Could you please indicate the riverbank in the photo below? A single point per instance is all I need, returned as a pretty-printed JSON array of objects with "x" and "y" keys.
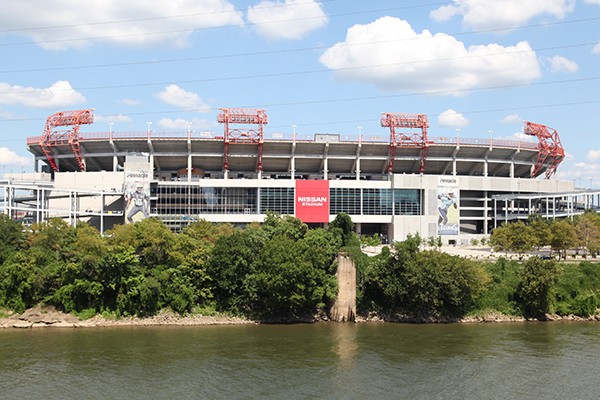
[{"x": 49, "y": 317}]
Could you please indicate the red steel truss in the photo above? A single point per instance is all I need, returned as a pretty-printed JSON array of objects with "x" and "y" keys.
[
  {"x": 242, "y": 116},
  {"x": 52, "y": 137},
  {"x": 550, "y": 149},
  {"x": 407, "y": 140}
]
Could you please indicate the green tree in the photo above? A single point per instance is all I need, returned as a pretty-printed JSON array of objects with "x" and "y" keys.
[
  {"x": 424, "y": 284},
  {"x": 287, "y": 281},
  {"x": 500, "y": 292},
  {"x": 501, "y": 239},
  {"x": 521, "y": 238},
  {"x": 344, "y": 226},
  {"x": 19, "y": 282},
  {"x": 277, "y": 224},
  {"x": 12, "y": 237},
  {"x": 231, "y": 262},
  {"x": 538, "y": 278},
  {"x": 540, "y": 230},
  {"x": 587, "y": 227},
  {"x": 563, "y": 237}
]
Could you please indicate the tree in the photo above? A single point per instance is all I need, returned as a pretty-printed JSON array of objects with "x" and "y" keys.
[
  {"x": 501, "y": 239},
  {"x": 424, "y": 284},
  {"x": 540, "y": 230},
  {"x": 563, "y": 237},
  {"x": 231, "y": 262},
  {"x": 344, "y": 225},
  {"x": 521, "y": 238},
  {"x": 538, "y": 278},
  {"x": 289, "y": 281},
  {"x": 12, "y": 236},
  {"x": 588, "y": 231},
  {"x": 277, "y": 224}
]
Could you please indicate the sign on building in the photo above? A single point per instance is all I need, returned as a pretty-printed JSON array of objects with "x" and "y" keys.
[
  {"x": 138, "y": 173},
  {"x": 312, "y": 200},
  {"x": 448, "y": 202}
]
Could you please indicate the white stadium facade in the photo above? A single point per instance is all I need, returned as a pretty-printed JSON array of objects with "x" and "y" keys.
[{"x": 402, "y": 182}]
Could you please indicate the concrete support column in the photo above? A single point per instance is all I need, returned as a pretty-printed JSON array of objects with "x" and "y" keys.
[
  {"x": 325, "y": 169},
  {"x": 293, "y": 167},
  {"x": 485, "y": 210},
  {"x": 344, "y": 308},
  {"x": 189, "y": 168},
  {"x": 358, "y": 169}
]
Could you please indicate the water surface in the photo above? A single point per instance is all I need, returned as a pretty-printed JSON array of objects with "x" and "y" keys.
[{"x": 555, "y": 360}]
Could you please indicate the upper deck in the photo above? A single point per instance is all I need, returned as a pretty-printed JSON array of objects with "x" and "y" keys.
[{"x": 172, "y": 151}]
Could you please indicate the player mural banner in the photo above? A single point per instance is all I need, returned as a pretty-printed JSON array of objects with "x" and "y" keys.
[
  {"x": 447, "y": 202},
  {"x": 137, "y": 188},
  {"x": 312, "y": 201}
]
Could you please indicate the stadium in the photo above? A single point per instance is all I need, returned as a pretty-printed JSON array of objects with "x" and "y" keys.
[{"x": 403, "y": 182}]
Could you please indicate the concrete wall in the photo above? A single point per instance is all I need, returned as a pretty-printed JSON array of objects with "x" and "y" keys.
[{"x": 344, "y": 308}]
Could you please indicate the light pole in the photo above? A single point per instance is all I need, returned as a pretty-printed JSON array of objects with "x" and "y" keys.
[
  {"x": 294, "y": 132},
  {"x": 359, "y": 131},
  {"x": 149, "y": 124},
  {"x": 491, "y": 132},
  {"x": 457, "y": 136}
]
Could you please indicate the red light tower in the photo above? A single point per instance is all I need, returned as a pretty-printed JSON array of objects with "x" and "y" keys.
[
  {"x": 51, "y": 137},
  {"x": 242, "y": 116},
  {"x": 550, "y": 149},
  {"x": 406, "y": 140}
]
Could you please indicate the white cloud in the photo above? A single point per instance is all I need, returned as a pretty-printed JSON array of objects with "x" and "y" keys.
[
  {"x": 593, "y": 155},
  {"x": 182, "y": 124},
  {"x": 592, "y": 2},
  {"x": 387, "y": 53},
  {"x": 596, "y": 49},
  {"x": 9, "y": 157},
  {"x": 583, "y": 172},
  {"x": 134, "y": 22},
  {"x": 444, "y": 13},
  {"x": 512, "y": 118},
  {"x": 452, "y": 119},
  {"x": 7, "y": 115},
  {"x": 492, "y": 14},
  {"x": 60, "y": 94},
  {"x": 520, "y": 136},
  {"x": 562, "y": 64},
  {"x": 130, "y": 102},
  {"x": 113, "y": 118},
  {"x": 178, "y": 97},
  {"x": 290, "y": 19}
]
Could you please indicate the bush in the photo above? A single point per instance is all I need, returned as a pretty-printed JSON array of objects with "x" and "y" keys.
[
  {"x": 500, "y": 292},
  {"x": 424, "y": 284},
  {"x": 538, "y": 279}
]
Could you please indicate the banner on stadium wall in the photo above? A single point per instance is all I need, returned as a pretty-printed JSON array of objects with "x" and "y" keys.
[
  {"x": 312, "y": 201},
  {"x": 447, "y": 206},
  {"x": 138, "y": 172}
]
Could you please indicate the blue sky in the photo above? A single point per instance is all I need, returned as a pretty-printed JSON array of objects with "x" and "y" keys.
[{"x": 481, "y": 66}]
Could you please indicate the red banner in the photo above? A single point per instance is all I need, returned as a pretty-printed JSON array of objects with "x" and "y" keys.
[{"x": 312, "y": 201}]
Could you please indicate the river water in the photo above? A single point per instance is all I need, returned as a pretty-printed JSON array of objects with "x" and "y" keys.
[{"x": 556, "y": 360}]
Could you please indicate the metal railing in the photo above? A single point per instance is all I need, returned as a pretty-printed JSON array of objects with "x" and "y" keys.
[{"x": 283, "y": 137}]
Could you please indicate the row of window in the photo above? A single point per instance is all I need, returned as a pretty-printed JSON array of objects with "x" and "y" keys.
[{"x": 190, "y": 200}]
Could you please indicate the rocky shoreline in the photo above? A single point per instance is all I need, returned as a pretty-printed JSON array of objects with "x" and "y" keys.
[
  {"x": 45, "y": 317},
  {"x": 49, "y": 317}
]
